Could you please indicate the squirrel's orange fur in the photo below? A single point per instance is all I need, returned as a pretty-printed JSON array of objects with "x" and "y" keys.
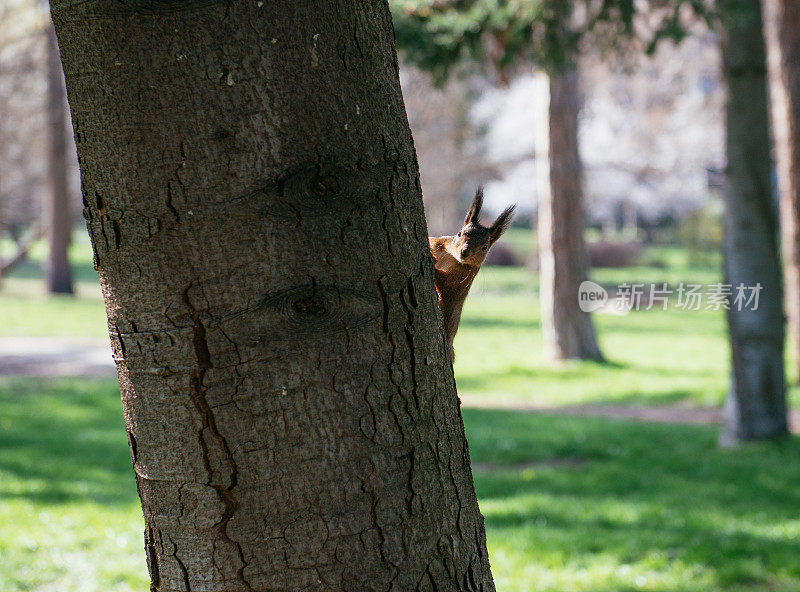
[{"x": 457, "y": 260}]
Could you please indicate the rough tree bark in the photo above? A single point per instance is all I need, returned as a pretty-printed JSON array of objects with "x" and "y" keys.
[
  {"x": 756, "y": 405},
  {"x": 252, "y": 194},
  {"x": 568, "y": 331},
  {"x": 782, "y": 32},
  {"x": 57, "y": 217}
]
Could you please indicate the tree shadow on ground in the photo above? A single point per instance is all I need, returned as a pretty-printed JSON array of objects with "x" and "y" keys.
[
  {"x": 63, "y": 441},
  {"x": 32, "y": 270},
  {"x": 487, "y": 322}
]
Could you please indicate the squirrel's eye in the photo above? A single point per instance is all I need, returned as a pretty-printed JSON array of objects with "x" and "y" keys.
[
  {"x": 485, "y": 247},
  {"x": 459, "y": 233}
]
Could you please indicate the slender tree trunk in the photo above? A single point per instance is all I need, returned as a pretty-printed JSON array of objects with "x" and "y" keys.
[
  {"x": 568, "y": 331},
  {"x": 756, "y": 406},
  {"x": 23, "y": 247},
  {"x": 252, "y": 194},
  {"x": 58, "y": 220},
  {"x": 782, "y": 28}
]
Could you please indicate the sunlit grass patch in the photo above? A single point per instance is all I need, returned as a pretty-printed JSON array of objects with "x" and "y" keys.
[
  {"x": 27, "y": 310},
  {"x": 654, "y": 357}
]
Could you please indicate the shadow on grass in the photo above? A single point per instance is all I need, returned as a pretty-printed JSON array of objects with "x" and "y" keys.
[
  {"x": 665, "y": 399},
  {"x": 654, "y": 497},
  {"x": 487, "y": 322},
  {"x": 654, "y": 399},
  {"x": 63, "y": 441}
]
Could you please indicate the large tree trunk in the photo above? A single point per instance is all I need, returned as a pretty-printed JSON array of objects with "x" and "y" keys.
[
  {"x": 782, "y": 28},
  {"x": 568, "y": 331},
  {"x": 57, "y": 217},
  {"x": 252, "y": 194},
  {"x": 756, "y": 406}
]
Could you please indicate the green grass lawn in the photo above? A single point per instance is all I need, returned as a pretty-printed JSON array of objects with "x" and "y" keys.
[
  {"x": 654, "y": 357},
  {"x": 581, "y": 504},
  {"x": 571, "y": 504},
  {"x": 70, "y": 519},
  {"x": 26, "y": 309}
]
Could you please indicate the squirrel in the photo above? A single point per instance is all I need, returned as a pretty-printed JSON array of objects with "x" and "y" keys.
[{"x": 457, "y": 260}]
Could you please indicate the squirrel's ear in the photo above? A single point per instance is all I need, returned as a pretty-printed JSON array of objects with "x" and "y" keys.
[
  {"x": 475, "y": 208},
  {"x": 502, "y": 223}
]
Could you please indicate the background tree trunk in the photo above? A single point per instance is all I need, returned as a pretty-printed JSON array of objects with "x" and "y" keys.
[
  {"x": 58, "y": 220},
  {"x": 568, "y": 331},
  {"x": 782, "y": 28},
  {"x": 22, "y": 248},
  {"x": 252, "y": 194},
  {"x": 756, "y": 406}
]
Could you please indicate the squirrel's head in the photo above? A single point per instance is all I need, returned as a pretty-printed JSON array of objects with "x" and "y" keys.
[{"x": 473, "y": 241}]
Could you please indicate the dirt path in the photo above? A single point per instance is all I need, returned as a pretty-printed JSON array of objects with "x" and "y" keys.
[
  {"x": 679, "y": 413},
  {"x": 52, "y": 357}
]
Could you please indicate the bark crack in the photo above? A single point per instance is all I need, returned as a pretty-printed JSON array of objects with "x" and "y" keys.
[{"x": 197, "y": 392}]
